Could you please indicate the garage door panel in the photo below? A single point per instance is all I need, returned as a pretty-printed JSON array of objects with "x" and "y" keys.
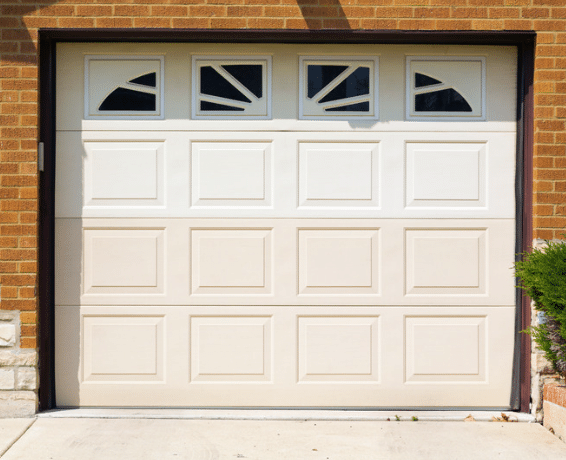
[
  {"x": 284, "y": 355},
  {"x": 291, "y": 261},
  {"x": 235, "y": 174}
]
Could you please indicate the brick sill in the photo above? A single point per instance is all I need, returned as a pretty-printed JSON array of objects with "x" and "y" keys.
[{"x": 556, "y": 394}]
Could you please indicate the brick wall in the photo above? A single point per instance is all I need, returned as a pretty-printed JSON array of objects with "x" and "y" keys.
[{"x": 19, "y": 23}]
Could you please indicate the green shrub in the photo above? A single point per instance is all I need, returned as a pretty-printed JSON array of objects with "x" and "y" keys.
[{"x": 542, "y": 274}]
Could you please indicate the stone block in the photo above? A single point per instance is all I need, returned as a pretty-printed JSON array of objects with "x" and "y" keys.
[
  {"x": 17, "y": 404},
  {"x": 18, "y": 358},
  {"x": 541, "y": 364},
  {"x": 7, "y": 379},
  {"x": 27, "y": 379},
  {"x": 7, "y": 316},
  {"x": 7, "y": 335}
]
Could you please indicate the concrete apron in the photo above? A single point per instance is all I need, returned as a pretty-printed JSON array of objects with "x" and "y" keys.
[{"x": 66, "y": 438}]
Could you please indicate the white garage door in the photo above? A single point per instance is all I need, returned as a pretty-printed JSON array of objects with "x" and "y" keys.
[{"x": 285, "y": 225}]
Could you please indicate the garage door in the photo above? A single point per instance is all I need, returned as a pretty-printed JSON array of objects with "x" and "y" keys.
[{"x": 285, "y": 225}]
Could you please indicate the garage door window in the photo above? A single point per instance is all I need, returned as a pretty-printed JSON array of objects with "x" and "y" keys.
[
  {"x": 446, "y": 88},
  {"x": 123, "y": 87},
  {"x": 338, "y": 88},
  {"x": 231, "y": 87}
]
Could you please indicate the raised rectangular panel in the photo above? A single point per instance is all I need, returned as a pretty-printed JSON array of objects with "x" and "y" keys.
[
  {"x": 231, "y": 174},
  {"x": 231, "y": 261},
  {"x": 445, "y": 174},
  {"x": 445, "y": 261},
  {"x": 440, "y": 349},
  {"x": 338, "y": 349},
  {"x": 230, "y": 349},
  {"x": 123, "y": 348},
  {"x": 337, "y": 174},
  {"x": 338, "y": 261},
  {"x": 123, "y": 261},
  {"x": 124, "y": 174}
]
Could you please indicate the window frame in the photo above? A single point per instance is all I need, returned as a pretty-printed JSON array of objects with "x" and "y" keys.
[
  {"x": 196, "y": 113},
  {"x": 344, "y": 60},
  {"x": 411, "y": 92},
  {"x": 158, "y": 114}
]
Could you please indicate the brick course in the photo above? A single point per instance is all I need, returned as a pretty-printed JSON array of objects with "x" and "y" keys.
[{"x": 21, "y": 19}]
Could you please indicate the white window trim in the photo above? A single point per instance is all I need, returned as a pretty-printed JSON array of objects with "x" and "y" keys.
[
  {"x": 160, "y": 90},
  {"x": 443, "y": 116},
  {"x": 346, "y": 60},
  {"x": 223, "y": 58}
]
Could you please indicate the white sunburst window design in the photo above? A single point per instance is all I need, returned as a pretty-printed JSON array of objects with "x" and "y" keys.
[
  {"x": 337, "y": 88},
  {"x": 124, "y": 87},
  {"x": 231, "y": 87},
  {"x": 446, "y": 88}
]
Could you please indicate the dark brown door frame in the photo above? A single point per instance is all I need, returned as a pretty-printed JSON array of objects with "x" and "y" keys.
[{"x": 48, "y": 39}]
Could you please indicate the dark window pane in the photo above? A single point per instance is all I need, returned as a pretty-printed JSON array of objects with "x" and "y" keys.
[
  {"x": 319, "y": 76},
  {"x": 446, "y": 100},
  {"x": 214, "y": 84},
  {"x": 357, "y": 84},
  {"x": 123, "y": 100},
  {"x": 249, "y": 75},
  {"x": 424, "y": 80},
  {"x": 359, "y": 107},
  {"x": 149, "y": 79},
  {"x": 211, "y": 106}
]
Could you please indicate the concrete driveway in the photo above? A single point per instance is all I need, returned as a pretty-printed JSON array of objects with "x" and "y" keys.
[{"x": 142, "y": 438}]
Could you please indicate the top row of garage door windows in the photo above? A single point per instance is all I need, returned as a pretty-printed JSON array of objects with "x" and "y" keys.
[{"x": 229, "y": 87}]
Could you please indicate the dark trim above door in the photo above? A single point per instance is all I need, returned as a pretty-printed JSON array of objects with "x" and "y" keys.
[{"x": 48, "y": 39}]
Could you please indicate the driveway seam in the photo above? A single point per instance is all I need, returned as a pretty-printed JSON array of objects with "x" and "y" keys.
[{"x": 17, "y": 438}]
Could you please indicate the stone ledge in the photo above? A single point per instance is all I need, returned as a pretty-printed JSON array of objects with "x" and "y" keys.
[{"x": 555, "y": 419}]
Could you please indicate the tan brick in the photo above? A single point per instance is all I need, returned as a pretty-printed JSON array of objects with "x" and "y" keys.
[
  {"x": 432, "y": 13},
  {"x": 132, "y": 10},
  {"x": 504, "y": 13},
  {"x": 535, "y": 12},
  {"x": 169, "y": 10},
  {"x": 228, "y": 23},
  {"x": 454, "y": 24},
  {"x": 94, "y": 10},
  {"x": 549, "y": 24},
  {"x": 152, "y": 22},
  {"x": 28, "y": 342},
  {"x": 28, "y": 330},
  {"x": 417, "y": 24},
  {"x": 28, "y": 317},
  {"x": 71, "y": 23},
  {"x": 468, "y": 13},
  {"x": 543, "y": 186},
  {"x": 17, "y": 280},
  {"x": 266, "y": 23},
  {"x": 208, "y": 11},
  {"x": 26, "y": 293},
  {"x": 549, "y": 125}
]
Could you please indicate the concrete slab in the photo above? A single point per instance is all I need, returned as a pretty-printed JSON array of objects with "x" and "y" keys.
[
  {"x": 11, "y": 429},
  {"x": 70, "y": 439}
]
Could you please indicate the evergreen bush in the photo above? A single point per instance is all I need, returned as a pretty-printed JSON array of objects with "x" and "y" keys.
[{"x": 542, "y": 274}]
